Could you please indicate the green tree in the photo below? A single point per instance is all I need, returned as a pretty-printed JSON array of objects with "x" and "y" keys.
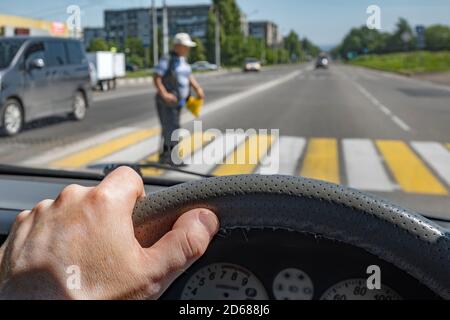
[
  {"x": 97, "y": 44},
  {"x": 231, "y": 37},
  {"x": 309, "y": 48},
  {"x": 293, "y": 46},
  {"x": 135, "y": 51},
  {"x": 437, "y": 38},
  {"x": 198, "y": 53},
  {"x": 402, "y": 39},
  {"x": 134, "y": 46}
]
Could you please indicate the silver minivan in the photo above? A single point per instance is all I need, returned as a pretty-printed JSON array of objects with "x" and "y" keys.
[{"x": 42, "y": 77}]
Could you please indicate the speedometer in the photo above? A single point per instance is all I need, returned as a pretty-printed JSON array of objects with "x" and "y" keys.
[
  {"x": 356, "y": 289},
  {"x": 223, "y": 281}
]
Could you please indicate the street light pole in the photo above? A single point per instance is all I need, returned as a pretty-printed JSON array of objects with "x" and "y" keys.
[
  {"x": 155, "y": 34},
  {"x": 165, "y": 29},
  {"x": 217, "y": 38}
]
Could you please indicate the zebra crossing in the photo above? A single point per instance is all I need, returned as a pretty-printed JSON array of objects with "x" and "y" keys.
[{"x": 416, "y": 167}]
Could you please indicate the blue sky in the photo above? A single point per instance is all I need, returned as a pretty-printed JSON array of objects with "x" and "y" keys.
[{"x": 323, "y": 21}]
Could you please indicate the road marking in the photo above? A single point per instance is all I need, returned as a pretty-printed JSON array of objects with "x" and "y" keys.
[
  {"x": 63, "y": 151},
  {"x": 448, "y": 146},
  {"x": 437, "y": 156},
  {"x": 96, "y": 153},
  {"x": 126, "y": 93},
  {"x": 321, "y": 160},
  {"x": 283, "y": 157},
  {"x": 364, "y": 166},
  {"x": 206, "y": 160},
  {"x": 133, "y": 153},
  {"x": 151, "y": 172},
  {"x": 245, "y": 159},
  {"x": 238, "y": 97},
  {"x": 399, "y": 122},
  {"x": 410, "y": 172},
  {"x": 186, "y": 148}
]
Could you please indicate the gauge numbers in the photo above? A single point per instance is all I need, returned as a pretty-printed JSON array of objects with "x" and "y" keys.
[
  {"x": 293, "y": 284},
  {"x": 356, "y": 289},
  {"x": 224, "y": 282}
]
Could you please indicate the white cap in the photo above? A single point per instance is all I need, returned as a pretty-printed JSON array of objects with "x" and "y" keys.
[{"x": 184, "y": 39}]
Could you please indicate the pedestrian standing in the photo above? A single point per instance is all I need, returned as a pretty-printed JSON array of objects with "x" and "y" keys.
[{"x": 173, "y": 80}]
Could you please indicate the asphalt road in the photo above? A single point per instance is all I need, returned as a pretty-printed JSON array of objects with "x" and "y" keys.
[{"x": 370, "y": 130}]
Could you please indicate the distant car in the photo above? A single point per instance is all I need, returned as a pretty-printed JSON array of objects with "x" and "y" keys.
[
  {"x": 252, "y": 64},
  {"x": 42, "y": 77},
  {"x": 322, "y": 62},
  {"x": 131, "y": 67},
  {"x": 204, "y": 66}
]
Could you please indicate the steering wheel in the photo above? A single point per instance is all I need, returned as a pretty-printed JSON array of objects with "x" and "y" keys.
[{"x": 403, "y": 238}]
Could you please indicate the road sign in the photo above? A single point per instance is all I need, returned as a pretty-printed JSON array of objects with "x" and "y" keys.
[{"x": 420, "y": 30}]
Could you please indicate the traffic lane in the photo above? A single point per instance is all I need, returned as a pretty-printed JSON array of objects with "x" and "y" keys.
[
  {"x": 231, "y": 81},
  {"x": 324, "y": 103},
  {"x": 318, "y": 103},
  {"x": 423, "y": 106},
  {"x": 126, "y": 106}
]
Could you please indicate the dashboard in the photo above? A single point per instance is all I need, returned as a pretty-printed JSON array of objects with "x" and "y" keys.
[
  {"x": 243, "y": 264},
  {"x": 281, "y": 265}
]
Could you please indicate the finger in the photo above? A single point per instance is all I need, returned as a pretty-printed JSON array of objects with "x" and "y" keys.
[
  {"x": 182, "y": 246},
  {"x": 123, "y": 184},
  {"x": 19, "y": 231}
]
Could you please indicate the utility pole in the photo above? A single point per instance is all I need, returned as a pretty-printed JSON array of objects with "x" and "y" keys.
[
  {"x": 155, "y": 34},
  {"x": 165, "y": 29},
  {"x": 217, "y": 38}
]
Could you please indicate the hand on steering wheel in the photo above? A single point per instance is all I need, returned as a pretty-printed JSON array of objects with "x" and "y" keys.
[{"x": 82, "y": 246}]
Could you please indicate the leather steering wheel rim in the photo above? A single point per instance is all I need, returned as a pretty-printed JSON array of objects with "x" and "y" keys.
[{"x": 399, "y": 236}]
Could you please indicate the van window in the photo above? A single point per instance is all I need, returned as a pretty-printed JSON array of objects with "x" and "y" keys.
[
  {"x": 56, "y": 53},
  {"x": 75, "y": 52},
  {"x": 35, "y": 51},
  {"x": 8, "y": 50}
]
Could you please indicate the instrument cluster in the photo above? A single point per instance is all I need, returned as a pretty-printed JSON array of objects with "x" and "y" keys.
[{"x": 282, "y": 265}]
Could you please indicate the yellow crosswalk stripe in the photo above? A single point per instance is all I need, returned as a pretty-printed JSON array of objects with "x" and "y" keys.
[
  {"x": 98, "y": 152},
  {"x": 411, "y": 173},
  {"x": 151, "y": 172},
  {"x": 321, "y": 160},
  {"x": 246, "y": 157},
  {"x": 186, "y": 148}
]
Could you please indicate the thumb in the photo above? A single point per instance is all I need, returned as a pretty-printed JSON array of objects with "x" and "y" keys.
[{"x": 181, "y": 247}]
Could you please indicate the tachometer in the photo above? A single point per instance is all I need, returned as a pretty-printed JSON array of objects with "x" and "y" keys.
[
  {"x": 293, "y": 284},
  {"x": 356, "y": 289},
  {"x": 223, "y": 281}
]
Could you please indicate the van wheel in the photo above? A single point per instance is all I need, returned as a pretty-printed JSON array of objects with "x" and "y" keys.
[
  {"x": 79, "y": 107},
  {"x": 12, "y": 118}
]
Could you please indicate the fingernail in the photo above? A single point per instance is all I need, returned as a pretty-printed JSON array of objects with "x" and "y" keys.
[{"x": 209, "y": 220}]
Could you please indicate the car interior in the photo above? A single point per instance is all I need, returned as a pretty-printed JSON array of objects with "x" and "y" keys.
[{"x": 281, "y": 238}]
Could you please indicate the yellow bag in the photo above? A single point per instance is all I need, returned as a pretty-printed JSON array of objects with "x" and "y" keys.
[{"x": 195, "y": 105}]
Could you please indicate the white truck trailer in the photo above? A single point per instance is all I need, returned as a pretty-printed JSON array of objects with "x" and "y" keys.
[{"x": 108, "y": 67}]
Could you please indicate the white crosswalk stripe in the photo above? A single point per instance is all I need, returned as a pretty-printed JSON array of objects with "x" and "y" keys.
[
  {"x": 437, "y": 156},
  {"x": 284, "y": 156},
  {"x": 368, "y": 165},
  {"x": 364, "y": 166},
  {"x": 205, "y": 160}
]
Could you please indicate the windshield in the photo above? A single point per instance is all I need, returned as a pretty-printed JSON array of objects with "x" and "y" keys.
[
  {"x": 8, "y": 50},
  {"x": 348, "y": 92}
]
